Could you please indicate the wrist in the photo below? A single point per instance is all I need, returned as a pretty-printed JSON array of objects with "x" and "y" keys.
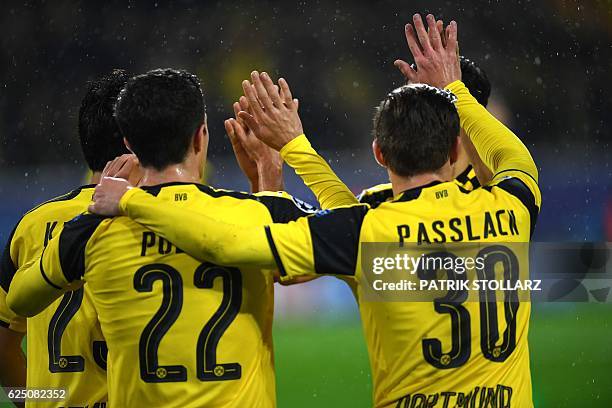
[
  {"x": 271, "y": 178},
  {"x": 288, "y": 139},
  {"x": 454, "y": 85},
  {"x": 272, "y": 165}
]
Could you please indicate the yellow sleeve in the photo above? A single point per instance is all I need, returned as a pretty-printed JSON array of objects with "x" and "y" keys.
[
  {"x": 500, "y": 149},
  {"x": 326, "y": 243},
  {"x": 316, "y": 173},
  {"x": 8, "y": 318},
  {"x": 200, "y": 236},
  {"x": 37, "y": 284}
]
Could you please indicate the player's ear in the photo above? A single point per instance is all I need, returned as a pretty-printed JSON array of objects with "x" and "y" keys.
[
  {"x": 200, "y": 138},
  {"x": 454, "y": 152},
  {"x": 127, "y": 145},
  {"x": 378, "y": 154}
]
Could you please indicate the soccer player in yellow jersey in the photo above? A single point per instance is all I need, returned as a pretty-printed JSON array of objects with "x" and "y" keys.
[
  {"x": 440, "y": 354},
  {"x": 65, "y": 347},
  {"x": 465, "y": 174},
  {"x": 180, "y": 333}
]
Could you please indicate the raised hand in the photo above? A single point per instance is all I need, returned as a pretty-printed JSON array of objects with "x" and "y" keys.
[
  {"x": 246, "y": 163},
  {"x": 273, "y": 115},
  {"x": 261, "y": 160},
  {"x": 435, "y": 52}
]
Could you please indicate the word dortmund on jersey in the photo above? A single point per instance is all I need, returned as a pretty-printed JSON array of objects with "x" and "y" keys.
[
  {"x": 179, "y": 332},
  {"x": 436, "y": 354},
  {"x": 380, "y": 193},
  {"x": 65, "y": 346}
]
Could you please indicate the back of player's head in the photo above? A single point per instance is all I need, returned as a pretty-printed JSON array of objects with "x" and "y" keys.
[
  {"x": 100, "y": 138},
  {"x": 415, "y": 127},
  {"x": 476, "y": 80},
  {"x": 159, "y": 113}
]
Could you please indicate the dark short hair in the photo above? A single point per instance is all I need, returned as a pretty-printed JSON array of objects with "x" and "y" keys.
[
  {"x": 476, "y": 80},
  {"x": 415, "y": 127},
  {"x": 100, "y": 138},
  {"x": 158, "y": 113}
]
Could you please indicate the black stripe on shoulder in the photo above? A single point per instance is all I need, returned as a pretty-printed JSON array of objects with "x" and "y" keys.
[
  {"x": 154, "y": 190},
  {"x": 4, "y": 324},
  {"x": 376, "y": 198},
  {"x": 335, "y": 239},
  {"x": 7, "y": 266},
  {"x": 519, "y": 189},
  {"x": 72, "y": 242},
  {"x": 282, "y": 209},
  {"x": 213, "y": 192},
  {"x": 277, "y": 258}
]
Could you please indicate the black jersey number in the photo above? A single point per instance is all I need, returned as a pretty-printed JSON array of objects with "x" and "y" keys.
[
  {"x": 494, "y": 255},
  {"x": 58, "y": 363},
  {"x": 460, "y": 318},
  {"x": 460, "y": 322},
  {"x": 208, "y": 369},
  {"x": 168, "y": 312}
]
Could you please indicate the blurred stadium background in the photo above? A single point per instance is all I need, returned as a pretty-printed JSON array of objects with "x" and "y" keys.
[{"x": 549, "y": 62}]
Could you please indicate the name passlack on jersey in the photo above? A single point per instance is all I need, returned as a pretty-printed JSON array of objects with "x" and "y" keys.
[{"x": 180, "y": 332}]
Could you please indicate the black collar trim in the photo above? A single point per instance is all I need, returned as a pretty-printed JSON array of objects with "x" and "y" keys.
[
  {"x": 414, "y": 193},
  {"x": 154, "y": 190},
  {"x": 463, "y": 177}
]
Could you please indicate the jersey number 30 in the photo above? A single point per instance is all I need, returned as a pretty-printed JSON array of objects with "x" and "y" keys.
[
  {"x": 451, "y": 304},
  {"x": 208, "y": 369}
]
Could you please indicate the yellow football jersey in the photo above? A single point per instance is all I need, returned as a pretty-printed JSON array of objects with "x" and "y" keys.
[
  {"x": 65, "y": 347},
  {"x": 380, "y": 193},
  {"x": 447, "y": 352},
  {"x": 180, "y": 333},
  {"x": 398, "y": 334}
]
